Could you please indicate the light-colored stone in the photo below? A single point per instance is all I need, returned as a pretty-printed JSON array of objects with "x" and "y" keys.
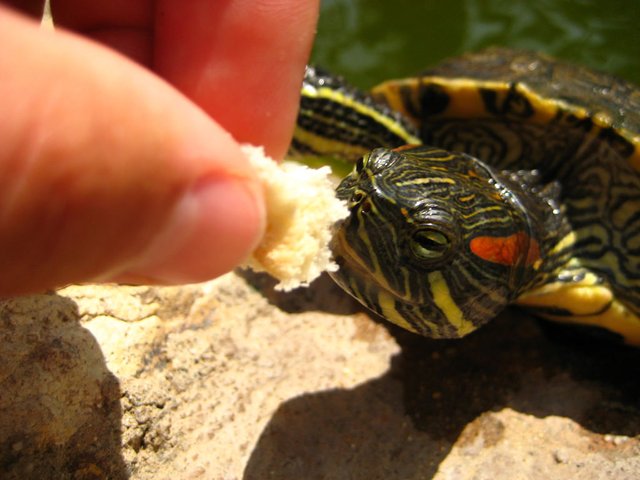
[{"x": 214, "y": 381}]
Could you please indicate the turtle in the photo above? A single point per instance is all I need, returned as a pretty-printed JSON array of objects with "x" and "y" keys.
[{"x": 496, "y": 178}]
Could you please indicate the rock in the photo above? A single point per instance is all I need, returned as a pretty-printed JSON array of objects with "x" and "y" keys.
[{"x": 231, "y": 380}]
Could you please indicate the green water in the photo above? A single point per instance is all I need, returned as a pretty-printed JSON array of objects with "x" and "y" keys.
[{"x": 370, "y": 40}]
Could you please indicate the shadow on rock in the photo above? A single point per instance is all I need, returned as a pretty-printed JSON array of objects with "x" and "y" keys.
[
  {"x": 404, "y": 424},
  {"x": 355, "y": 434},
  {"x": 323, "y": 295},
  {"x": 512, "y": 363},
  {"x": 60, "y": 413}
]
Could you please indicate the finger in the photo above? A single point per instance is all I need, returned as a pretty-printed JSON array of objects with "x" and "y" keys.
[
  {"x": 241, "y": 60},
  {"x": 106, "y": 170},
  {"x": 123, "y": 25}
]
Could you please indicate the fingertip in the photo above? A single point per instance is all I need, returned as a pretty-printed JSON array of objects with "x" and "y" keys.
[{"x": 213, "y": 227}]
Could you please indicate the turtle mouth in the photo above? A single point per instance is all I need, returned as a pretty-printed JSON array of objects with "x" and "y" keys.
[
  {"x": 357, "y": 278},
  {"x": 346, "y": 258}
]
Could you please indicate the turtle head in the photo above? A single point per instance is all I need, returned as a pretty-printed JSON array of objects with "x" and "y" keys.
[{"x": 436, "y": 242}]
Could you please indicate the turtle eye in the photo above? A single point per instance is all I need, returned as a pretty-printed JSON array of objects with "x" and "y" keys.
[{"x": 430, "y": 244}]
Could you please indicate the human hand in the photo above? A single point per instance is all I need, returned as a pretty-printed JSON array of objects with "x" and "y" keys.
[{"x": 109, "y": 173}]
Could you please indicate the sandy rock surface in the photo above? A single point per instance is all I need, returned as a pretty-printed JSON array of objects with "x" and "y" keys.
[{"x": 231, "y": 380}]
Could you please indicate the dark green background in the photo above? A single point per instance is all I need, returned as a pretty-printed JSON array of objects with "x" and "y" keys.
[{"x": 370, "y": 40}]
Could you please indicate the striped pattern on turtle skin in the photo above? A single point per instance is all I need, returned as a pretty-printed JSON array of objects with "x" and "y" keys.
[
  {"x": 429, "y": 226},
  {"x": 338, "y": 120},
  {"x": 515, "y": 111}
]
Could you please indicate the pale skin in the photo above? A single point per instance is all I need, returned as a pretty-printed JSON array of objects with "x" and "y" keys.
[{"x": 120, "y": 133}]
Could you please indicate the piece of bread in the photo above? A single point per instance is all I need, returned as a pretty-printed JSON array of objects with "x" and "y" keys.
[{"x": 302, "y": 210}]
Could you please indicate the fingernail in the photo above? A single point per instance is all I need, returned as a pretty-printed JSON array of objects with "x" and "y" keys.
[{"x": 213, "y": 227}]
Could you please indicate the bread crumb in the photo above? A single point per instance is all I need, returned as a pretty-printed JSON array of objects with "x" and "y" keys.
[{"x": 302, "y": 210}]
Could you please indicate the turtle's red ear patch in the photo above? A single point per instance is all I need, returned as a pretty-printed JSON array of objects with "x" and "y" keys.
[{"x": 516, "y": 249}]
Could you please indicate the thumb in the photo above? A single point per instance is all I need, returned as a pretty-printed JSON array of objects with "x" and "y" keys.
[{"x": 108, "y": 172}]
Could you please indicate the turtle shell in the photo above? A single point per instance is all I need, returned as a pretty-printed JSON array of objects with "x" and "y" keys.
[{"x": 519, "y": 110}]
